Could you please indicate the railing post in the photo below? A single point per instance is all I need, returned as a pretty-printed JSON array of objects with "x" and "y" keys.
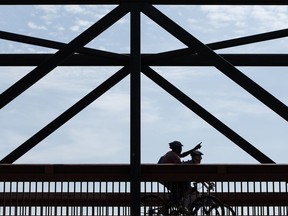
[{"x": 135, "y": 131}]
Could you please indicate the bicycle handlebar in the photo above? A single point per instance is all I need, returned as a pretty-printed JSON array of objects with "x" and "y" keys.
[{"x": 208, "y": 185}]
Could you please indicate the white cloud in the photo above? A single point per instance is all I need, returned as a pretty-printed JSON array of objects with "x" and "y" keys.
[
  {"x": 74, "y": 9},
  {"x": 236, "y": 21},
  {"x": 270, "y": 17},
  {"x": 48, "y": 8},
  {"x": 81, "y": 25},
  {"x": 33, "y": 25},
  {"x": 47, "y": 12}
]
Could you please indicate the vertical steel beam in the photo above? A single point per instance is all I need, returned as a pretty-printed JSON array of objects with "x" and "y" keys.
[{"x": 135, "y": 115}]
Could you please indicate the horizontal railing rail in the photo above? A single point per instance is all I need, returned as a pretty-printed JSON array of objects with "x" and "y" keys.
[
  {"x": 123, "y": 199},
  {"x": 149, "y": 172}
]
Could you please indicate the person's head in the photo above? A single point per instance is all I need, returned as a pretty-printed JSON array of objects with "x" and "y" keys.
[
  {"x": 196, "y": 156},
  {"x": 176, "y": 146}
]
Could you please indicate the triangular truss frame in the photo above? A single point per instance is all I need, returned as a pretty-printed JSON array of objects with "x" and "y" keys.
[{"x": 75, "y": 54}]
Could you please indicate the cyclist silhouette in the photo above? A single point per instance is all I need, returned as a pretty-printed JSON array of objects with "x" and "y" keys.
[{"x": 178, "y": 189}]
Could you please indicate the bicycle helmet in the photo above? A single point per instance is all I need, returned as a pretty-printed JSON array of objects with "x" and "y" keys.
[
  {"x": 175, "y": 145},
  {"x": 196, "y": 152}
]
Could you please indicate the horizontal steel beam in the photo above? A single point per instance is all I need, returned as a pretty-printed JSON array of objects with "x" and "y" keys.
[
  {"x": 234, "y": 59},
  {"x": 123, "y": 199},
  {"x": 159, "y": 2},
  {"x": 147, "y": 59}
]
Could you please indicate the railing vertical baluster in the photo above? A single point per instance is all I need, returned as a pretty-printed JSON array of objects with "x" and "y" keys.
[
  {"x": 100, "y": 196},
  {"x": 273, "y": 189},
  {"x": 4, "y": 198},
  {"x": 267, "y": 191},
  {"x": 286, "y": 192},
  {"x": 62, "y": 206},
  {"x": 10, "y": 200}
]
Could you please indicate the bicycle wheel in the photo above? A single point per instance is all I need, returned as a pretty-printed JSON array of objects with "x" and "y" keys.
[
  {"x": 152, "y": 205},
  {"x": 206, "y": 205},
  {"x": 229, "y": 210}
]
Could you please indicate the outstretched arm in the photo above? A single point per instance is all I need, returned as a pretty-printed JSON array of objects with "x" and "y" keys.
[{"x": 184, "y": 154}]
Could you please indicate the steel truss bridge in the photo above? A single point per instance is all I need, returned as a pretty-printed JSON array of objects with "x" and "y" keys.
[{"x": 117, "y": 189}]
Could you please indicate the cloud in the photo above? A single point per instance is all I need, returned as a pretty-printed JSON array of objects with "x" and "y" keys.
[
  {"x": 270, "y": 17},
  {"x": 47, "y": 13},
  {"x": 58, "y": 18},
  {"x": 74, "y": 9},
  {"x": 33, "y": 25},
  {"x": 80, "y": 25},
  {"x": 49, "y": 8},
  {"x": 256, "y": 18}
]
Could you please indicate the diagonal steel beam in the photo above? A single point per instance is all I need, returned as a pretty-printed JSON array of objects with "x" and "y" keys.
[
  {"x": 230, "y": 43},
  {"x": 44, "y": 68},
  {"x": 220, "y": 63},
  {"x": 205, "y": 115},
  {"x": 249, "y": 39},
  {"x": 66, "y": 116},
  {"x": 57, "y": 45}
]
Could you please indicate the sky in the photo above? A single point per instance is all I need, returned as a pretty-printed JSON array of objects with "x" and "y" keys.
[{"x": 100, "y": 133}]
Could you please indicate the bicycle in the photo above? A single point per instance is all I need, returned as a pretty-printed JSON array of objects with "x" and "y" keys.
[
  {"x": 225, "y": 209},
  {"x": 203, "y": 204}
]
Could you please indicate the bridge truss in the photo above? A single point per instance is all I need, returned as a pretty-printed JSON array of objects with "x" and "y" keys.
[{"x": 134, "y": 63}]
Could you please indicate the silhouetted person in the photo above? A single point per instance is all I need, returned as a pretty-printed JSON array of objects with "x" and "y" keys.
[{"x": 177, "y": 189}]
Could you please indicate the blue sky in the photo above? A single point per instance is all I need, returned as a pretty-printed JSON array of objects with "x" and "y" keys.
[{"x": 100, "y": 133}]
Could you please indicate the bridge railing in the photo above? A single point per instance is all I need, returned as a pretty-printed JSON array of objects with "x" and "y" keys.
[{"x": 105, "y": 189}]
